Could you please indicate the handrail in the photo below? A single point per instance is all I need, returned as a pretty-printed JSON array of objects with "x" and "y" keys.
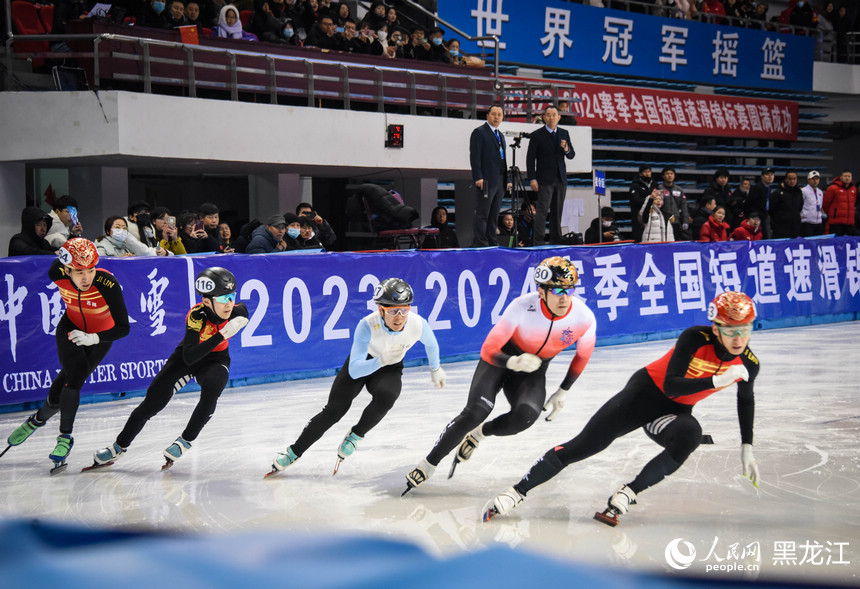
[
  {"x": 466, "y": 36},
  {"x": 191, "y": 78}
]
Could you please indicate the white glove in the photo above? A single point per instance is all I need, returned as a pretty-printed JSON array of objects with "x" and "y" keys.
[
  {"x": 82, "y": 338},
  {"x": 733, "y": 374},
  {"x": 438, "y": 377},
  {"x": 555, "y": 403},
  {"x": 392, "y": 355},
  {"x": 750, "y": 464},
  {"x": 523, "y": 363},
  {"x": 233, "y": 326}
]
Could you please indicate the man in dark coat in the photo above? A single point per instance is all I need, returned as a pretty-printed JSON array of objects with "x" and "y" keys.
[
  {"x": 547, "y": 172},
  {"x": 490, "y": 176},
  {"x": 786, "y": 202},
  {"x": 31, "y": 241},
  {"x": 759, "y": 200}
]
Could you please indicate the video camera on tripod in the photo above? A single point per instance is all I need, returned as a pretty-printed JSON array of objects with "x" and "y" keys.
[{"x": 517, "y": 137}]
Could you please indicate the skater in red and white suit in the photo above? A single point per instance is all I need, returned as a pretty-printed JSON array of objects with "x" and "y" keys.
[
  {"x": 660, "y": 399},
  {"x": 514, "y": 358}
]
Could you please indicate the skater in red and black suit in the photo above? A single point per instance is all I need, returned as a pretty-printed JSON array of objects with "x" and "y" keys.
[
  {"x": 660, "y": 398},
  {"x": 202, "y": 354},
  {"x": 514, "y": 358},
  {"x": 95, "y": 317}
]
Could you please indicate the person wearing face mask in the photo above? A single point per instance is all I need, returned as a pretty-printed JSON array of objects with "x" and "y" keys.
[
  {"x": 288, "y": 34},
  {"x": 802, "y": 15},
  {"x": 117, "y": 242},
  {"x": 455, "y": 57},
  {"x": 603, "y": 229},
  {"x": 269, "y": 238},
  {"x": 293, "y": 231},
  {"x": 437, "y": 51},
  {"x": 149, "y": 13},
  {"x": 139, "y": 221}
]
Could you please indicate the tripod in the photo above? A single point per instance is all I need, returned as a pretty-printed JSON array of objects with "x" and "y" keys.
[{"x": 518, "y": 188}]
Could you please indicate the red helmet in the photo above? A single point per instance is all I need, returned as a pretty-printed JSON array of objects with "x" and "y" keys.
[
  {"x": 79, "y": 253},
  {"x": 731, "y": 308}
]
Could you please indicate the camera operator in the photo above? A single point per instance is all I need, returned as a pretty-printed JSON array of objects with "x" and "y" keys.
[
  {"x": 603, "y": 229},
  {"x": 322, "y": 229}
]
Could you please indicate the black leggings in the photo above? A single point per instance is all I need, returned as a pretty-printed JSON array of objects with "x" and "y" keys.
[
  {"x": 211, "y": 373},
  {"x": 384, "y": 386},
  {"x": 639, "y": 404},
  {"x": 77, "y": 363},
  {"x": 526, "y": 393}
]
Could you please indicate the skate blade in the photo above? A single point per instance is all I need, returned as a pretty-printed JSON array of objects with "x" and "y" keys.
[
  {"x": 337, "y": 465},
  {"x": 606, "y": 518},
  {"x": 409, "y": 487},
  {"x": 59, "y": 468},
  {"x": 6, "y": 450},
  {"x": 167, "y": 464},
  {"x": 96, "y": 466},
  {"x": 454, "y": 466},
  {"x": 489, "y": 514},
  {"x": 274, "y": 471}
]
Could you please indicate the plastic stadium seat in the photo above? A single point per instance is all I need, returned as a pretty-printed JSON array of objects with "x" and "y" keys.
[
  {"x": 245, "y": 17},
  {"x": 46, "y": 15},
  {"x": 26, "y": 21}
]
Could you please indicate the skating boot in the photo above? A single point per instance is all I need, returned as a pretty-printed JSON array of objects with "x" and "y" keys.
[
  {"x": 347, "y": 447},
  {"x": 22, "y": 432},
  {"x": 61, "y": 452},
  {"x": 501, "y": 504},
  {"x": 467, "y": 448},
  {"x": 175, "y": 451},
  {"x": 418, "y": 475},
  {"x": 105, "y": 457},
  {"x": 282, "y": 461},
  {"x": 619, "y": 504}
]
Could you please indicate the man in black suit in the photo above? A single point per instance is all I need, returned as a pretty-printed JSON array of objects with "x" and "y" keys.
[
  {"x": 548, "y": 146},
  {"x": 490, "y": 175}
]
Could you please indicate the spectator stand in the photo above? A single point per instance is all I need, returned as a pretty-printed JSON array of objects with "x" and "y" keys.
[{"x": 620, "y": 152}]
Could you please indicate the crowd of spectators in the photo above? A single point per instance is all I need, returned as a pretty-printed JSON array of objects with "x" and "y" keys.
[
  {"x": 760, "y": 209},
  {"x": 309, "y": 23},
  {"x": 148, "y": 231}
]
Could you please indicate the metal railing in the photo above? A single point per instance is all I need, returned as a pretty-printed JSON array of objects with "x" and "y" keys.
[
  {"x": 362, "y": 82},
  {"x": 466, "y": 36}
]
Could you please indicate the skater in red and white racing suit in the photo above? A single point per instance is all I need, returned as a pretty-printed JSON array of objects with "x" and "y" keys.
[
  {"x": 660, "y": 399},
  {"x": 514, "y": 358}
]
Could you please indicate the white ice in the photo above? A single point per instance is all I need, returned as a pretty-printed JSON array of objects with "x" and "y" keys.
[{"x": 806, "y": 442}]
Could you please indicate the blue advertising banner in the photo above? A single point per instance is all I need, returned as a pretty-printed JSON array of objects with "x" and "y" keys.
[
  {"x": 556, "y": 34},
  {"x": 304, "y": 307}
]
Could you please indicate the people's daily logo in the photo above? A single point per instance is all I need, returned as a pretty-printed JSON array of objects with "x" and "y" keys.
[{"x": 680, "y": 554}]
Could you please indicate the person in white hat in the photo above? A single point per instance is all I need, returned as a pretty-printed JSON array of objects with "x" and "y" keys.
[{"x": 811, "y": 216}]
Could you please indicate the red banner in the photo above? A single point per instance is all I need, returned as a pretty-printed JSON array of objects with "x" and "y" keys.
[{"x": 664, "y": 111}]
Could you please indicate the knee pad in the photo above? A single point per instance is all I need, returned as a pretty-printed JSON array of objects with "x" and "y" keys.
[
  {"x": 683, "y": 437},
  {"x": 524, "y": 416}
]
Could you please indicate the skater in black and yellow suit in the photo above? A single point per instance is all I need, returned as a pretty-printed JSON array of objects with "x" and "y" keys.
[
  {"x": 95, "y": 317},
  {"x": 203, "y": 355},
  {"x": 660, "y": 399}
]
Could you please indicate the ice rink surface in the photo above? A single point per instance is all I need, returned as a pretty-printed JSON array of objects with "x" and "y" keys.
[{"x": 803, "y": 523}]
